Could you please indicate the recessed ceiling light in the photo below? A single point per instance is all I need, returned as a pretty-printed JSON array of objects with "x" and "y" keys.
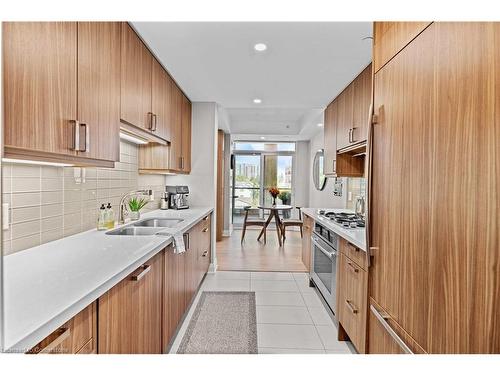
[
  {"x": 320, "y": 124},
  {"x": 260, "y": 47},
  {"x": 257, "y": 101},
  {"x": 262, "y": 137}
]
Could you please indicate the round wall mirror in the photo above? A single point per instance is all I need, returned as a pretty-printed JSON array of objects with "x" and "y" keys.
[{"x": 319, "y": 177}]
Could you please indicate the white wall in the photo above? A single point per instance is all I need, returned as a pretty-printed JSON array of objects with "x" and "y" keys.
[
  {"x": 202, "y": 180},
  {"x": 302, "y": 176},
  {"x": 324, "y": 198}
]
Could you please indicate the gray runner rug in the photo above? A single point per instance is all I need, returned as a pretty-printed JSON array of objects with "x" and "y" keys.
[{"x": 222, "y": 323}]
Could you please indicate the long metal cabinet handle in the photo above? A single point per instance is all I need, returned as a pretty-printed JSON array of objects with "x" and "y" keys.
[
  {"x": 369, "y": 168},
  {"x": 322, "y": 249},
  {"x": 76, "y": 135},
  {"x": 87, "y": 138},
  {"x": 350, "y": 131},
  {"x": 383, "y": 321},
  {"x": 145, "y": 269},
  {"x": 352, "y": 135},
  {"x": 150, "y": 120},
  {"x": 155, "y": 121},
  {"x": 349, "y": 304},
  {"x": 205, "y": 230}
]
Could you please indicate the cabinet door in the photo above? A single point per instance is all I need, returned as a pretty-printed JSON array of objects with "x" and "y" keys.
[
  {"x": 190, "y": 265},
  {"x": 176, "y": 129},
  {"x": 362, "y": 89},
  {"x": 173, "y": 294},
  {"x": 391, "y": 37},
  {"x": 99, "y": 88},
  {"x": 40, "y": 85},
  {"x": 204, "y": 246},
  {"x": 130, "y": 313},
  {"x": 330, "y": 138},
  {"x": 186, "y": 135},
  {"x": 306, "y": 242},
  {"x": 161, "y": 92},
  {"x": 136, "y": 65},
  {"x": 345, "y": 117}
]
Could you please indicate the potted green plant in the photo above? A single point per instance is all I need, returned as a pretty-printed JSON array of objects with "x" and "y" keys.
[
  {"x": 135, "y": 204},
  {"x": 285, "y": 197}
]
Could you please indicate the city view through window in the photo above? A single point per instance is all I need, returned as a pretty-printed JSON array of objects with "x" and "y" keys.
[{"x": 258, "y": 167}]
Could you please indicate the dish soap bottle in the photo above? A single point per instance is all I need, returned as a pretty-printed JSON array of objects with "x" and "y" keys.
[
  {"x": 110, "y": 217},
  {"x": 101, "y": 219}
]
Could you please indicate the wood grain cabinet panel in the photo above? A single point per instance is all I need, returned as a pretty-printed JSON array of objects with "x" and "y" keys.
[
  {"x": 434, "y": 274},
  {"x": 161, "y": 92},
  {"x": 344, "y": 124},
  {"x": 40, "y": 85},
  {"x": 174, "y": 298},
  {"x": 176, "y": 129},
  {"x": 190, "y": 265},
  {"x": 130, "y": 313},
  {"x": 136, "y": 65},
  {"x": 362, "y": 92},
  {"x": 330, "y": 138},
  {"x": 186, "y": 135},
  {"x": 76, "y": 336},
  {"x": 99, "y": 87},
  {"x": 391, "y": 37},
  {"x": 352, "y": 300},
  {"x": 306, "y": 241},
  {"x": 204, "y": 247}
]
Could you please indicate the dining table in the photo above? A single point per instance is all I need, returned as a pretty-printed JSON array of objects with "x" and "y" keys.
[{"x": 274, "y": 213}]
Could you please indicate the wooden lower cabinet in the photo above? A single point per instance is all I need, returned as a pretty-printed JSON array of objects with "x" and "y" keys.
[
  {"x": 306, "y": 242},
  {"x": 130, "y": 313},
  {"x": 174, "y": 296},
  {"x": 76, "y": 336},
  {"x": 352, "y": 299}
]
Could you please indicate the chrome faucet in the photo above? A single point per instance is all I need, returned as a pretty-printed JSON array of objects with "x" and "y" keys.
[{"x": 123, "y": 207}]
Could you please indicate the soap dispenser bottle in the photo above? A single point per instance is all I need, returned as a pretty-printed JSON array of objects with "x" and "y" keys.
[
  {"x": 101, "y": 219},
  {"x": 110, "y": 217}
]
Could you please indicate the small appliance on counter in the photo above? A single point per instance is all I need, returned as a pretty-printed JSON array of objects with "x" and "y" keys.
[
  {"x": 177, "y": 197},
  {"x": 164, "y": 201}
]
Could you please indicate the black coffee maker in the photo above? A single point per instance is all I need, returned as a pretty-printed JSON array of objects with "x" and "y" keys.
[{"x": 177, "y": 197}]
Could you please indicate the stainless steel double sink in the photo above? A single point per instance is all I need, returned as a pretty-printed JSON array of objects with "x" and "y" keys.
[{"x": 146, "y": 227}]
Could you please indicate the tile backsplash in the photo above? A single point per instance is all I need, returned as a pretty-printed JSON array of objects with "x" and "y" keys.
[
  {"x": 47, "y": 203},
  {"x": 355, "y": 187}
]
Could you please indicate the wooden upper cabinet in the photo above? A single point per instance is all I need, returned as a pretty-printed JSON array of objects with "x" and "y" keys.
[
  {"x": 136, "y": 66},
  {"x": 345, "y": 117},
  {"x": 99, "y": 88},
  {"x": 330, "y": 139},
  {"x": 176, "y": 129},
  {"x": 40, "y": 86},
  {"x": 362, "y": 90},
  {"x": 391, "y": 37},
  {"x": 130, "y": 313},
  {"x": 186, "y": 135},
  {"x": 161, "y": 92}
]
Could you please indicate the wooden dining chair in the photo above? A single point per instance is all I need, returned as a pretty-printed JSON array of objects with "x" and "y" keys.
[
  {"x": 291, "y": 223},
  {"x": 248, "y": 222}
]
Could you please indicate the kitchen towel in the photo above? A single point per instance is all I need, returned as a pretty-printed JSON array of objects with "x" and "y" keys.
[{"x": 179, "y": 246}]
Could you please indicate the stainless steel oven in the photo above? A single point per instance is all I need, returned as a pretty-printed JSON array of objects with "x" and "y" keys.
[{"x": 324, "y": 262}]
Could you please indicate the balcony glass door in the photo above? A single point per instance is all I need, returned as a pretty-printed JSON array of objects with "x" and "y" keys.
[{"x": 246, "y": 186}]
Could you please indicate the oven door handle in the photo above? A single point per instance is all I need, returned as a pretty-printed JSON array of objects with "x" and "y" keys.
[{"x": 323, "y": 250}]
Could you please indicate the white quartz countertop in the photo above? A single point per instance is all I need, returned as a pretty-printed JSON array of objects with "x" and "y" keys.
[
  {"x": 355, "y": 236},
  {"x": 46, "y": 285}
]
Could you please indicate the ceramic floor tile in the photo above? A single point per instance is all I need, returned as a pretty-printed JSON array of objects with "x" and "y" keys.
[
  {"x": 229, "y": 275},
  {"x": 226, "y": 285},
  {"x": 320, "y": 316},
  {"x": 328, "y": 335},
  {"x": 288, "y": 336},
  {"x": 279, "y": 299},
  {"x": 283, "y": 315},
  {"x": 272, "y": 276},
  {"x": 312, "y": 300},
  {"x": 300, "y": 276},
  {"x": 290, "y": 351},
  {"x": 274, "y": 286},
  {"x": 304, "y": 287}
]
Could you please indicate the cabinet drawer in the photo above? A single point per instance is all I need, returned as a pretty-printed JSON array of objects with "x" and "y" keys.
[
  {"x": 352, "y": 301},
  {"x": 88, "y": 348},
  {"x": 353, "y": 252},
  {"x": 72, "y": 336}
]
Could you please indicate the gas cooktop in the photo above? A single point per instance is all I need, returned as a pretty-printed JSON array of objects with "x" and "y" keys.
[{"x": 344, "y": 219}]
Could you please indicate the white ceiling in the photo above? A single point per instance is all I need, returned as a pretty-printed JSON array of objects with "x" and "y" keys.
[{"x": 305, "y": 66}]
